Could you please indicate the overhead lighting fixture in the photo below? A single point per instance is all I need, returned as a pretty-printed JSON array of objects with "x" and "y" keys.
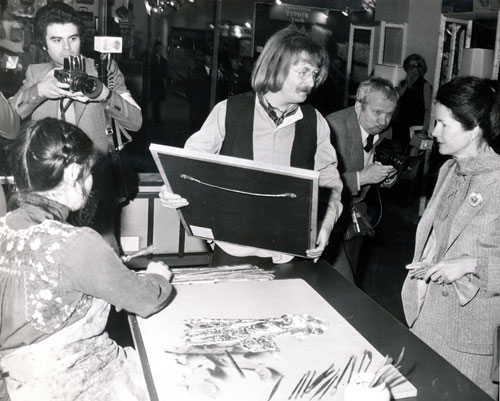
[
  {"x": 248, "y": 24},
  {"x": 346, "y": 12},
  {"x": 162, "y": 8},
  {"x": 278, "y": 2}
]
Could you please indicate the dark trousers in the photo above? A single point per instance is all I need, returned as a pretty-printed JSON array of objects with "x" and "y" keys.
[{"x": 344, "y": 255}]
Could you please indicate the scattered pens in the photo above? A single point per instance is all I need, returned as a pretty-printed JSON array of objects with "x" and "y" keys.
[
  {"x": 235, "y": 364},
  {"x": 275, "y": 388}
]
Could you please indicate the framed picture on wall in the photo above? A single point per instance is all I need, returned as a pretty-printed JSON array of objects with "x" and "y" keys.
[{"x": 242, "y": 201}]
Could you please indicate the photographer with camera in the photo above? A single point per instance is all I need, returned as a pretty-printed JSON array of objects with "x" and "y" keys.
[
  {"x": 355, "y": 133},
  {"x": 67, "y": 88}
]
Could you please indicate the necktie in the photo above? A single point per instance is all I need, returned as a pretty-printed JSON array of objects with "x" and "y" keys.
[
  {"x": 276, "y": 114},
  {"x": 369, "y": 143}
]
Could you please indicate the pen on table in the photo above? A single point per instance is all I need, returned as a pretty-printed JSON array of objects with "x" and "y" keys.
[
  {"x": 235, "y": 364},
  {"x": 355, "y": 221},
  {"x": 142, "y": 252},
  {"x": 275, "y": 388}
]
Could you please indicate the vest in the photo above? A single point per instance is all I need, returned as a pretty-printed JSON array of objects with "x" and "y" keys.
[{"x": 238, "y": 141}]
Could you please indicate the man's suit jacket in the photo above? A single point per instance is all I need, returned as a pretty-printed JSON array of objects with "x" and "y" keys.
[
  {"x": 91, "y": 116},
  {"x": 347, "y": 141}
]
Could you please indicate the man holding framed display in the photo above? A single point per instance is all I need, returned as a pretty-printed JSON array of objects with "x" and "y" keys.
[{"x": 271, "y": 125}]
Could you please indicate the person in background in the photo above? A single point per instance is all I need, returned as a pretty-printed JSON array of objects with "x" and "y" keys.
[
  {"x": 271, "y": 125},
  {"x": 58, "y": 281},
  {"x": 236, "y": 78},
  {"x": 356, "y": 132},
  {"x": 451, "y": 294},
  {"x": 158, "y": 79},
  {"x": 415, "y": 101},
  {"x": 58, "y": 29},
  {"x": 198, "y": 88},
  {"x": 414, "y": 109},
  {"x": 9, "y": 129}
]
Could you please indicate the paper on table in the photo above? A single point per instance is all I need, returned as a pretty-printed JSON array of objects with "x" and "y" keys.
[{"x": 200, "y": 377}]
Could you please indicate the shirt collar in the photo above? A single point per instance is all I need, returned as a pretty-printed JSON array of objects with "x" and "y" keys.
[
  {"x": 273, "y": 112},
  {"x": 364, "y": 135}
]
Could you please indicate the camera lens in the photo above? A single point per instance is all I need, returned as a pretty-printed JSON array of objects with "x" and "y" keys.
[{"x": 91, "y": 87}]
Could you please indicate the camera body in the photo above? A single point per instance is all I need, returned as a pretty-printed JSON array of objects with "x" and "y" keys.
[
  {"x": 386, "y": 154},
  {"x": 73, "y": 74}
]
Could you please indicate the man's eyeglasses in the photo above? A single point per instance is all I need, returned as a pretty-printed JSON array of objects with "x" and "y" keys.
[{"x": 306, "y": 73}]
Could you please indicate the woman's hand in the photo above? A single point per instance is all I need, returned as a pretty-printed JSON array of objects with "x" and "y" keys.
[
  {"x": 159, "y": 268},
  {"x": 448, "y": 271},
  {"x": 171, "y": 200}
]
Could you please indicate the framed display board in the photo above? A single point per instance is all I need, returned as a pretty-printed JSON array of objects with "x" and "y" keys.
[{"x": 242, "y": 201}]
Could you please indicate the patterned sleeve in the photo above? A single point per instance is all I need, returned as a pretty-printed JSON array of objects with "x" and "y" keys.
[{"x": 93, "y": 268}]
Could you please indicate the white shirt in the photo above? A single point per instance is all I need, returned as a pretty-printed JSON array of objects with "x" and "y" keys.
[
  {"x": 368, "y": 156},
  {"x": 272, "y": 144}
]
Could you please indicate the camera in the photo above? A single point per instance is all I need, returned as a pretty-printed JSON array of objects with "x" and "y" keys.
[
  {"x": 73, "y": 74},
  {"x": 386, "y": 154}
]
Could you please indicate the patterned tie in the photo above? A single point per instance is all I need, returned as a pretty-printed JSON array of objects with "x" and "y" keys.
[{"x": 369, "y": 143}]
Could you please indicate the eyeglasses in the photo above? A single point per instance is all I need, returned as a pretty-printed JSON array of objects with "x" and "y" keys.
[
  {"x": 414, "y": 65},
  {"x": 306, "y": 73}
]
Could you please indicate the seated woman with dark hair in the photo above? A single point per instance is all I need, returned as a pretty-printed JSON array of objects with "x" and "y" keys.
[{"x": 58, "y": 281}]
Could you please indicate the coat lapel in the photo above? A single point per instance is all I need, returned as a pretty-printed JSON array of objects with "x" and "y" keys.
[
  {"x": 356, "y": 143},
  {"x": 470, "y": 208},
  {"x": 425, "y": 224}
]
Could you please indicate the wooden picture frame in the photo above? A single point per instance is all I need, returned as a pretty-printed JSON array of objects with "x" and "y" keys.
[{"x": 242, "y": 201}]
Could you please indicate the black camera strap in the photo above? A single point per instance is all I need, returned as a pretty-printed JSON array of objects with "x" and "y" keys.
[{"x": 63, "y": 108}]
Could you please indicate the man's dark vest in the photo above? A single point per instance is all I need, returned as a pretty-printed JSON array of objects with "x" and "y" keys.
[{"x": 238, "y": 141}]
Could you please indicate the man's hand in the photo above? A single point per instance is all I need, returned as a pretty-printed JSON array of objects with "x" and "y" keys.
[
  {"x": 321, "y": 242},
  {"x": 50, "y": 88},
  {"x": 171, "y": 200},
  {"x": 390, "y": 180},
  {"x": 374, "y": 173}
]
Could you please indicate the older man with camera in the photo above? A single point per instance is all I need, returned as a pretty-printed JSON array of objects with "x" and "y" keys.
[
  {"x": 64, "y": 88},
  {"x": 356, "y": 131}
]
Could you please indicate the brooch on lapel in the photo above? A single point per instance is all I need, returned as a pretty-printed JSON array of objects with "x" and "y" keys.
[{"x": 475, "y": 199}]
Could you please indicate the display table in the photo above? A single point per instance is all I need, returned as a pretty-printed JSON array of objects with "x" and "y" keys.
[{"x": 354, "y": 323}]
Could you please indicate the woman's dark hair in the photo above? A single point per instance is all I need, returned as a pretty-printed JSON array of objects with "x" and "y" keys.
[
  {"x": 473, "y": 102},
  {"x": 418, "y": 60},
  {"x": 43, "y": 149},
  {"x": 56, "y": 12}
]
